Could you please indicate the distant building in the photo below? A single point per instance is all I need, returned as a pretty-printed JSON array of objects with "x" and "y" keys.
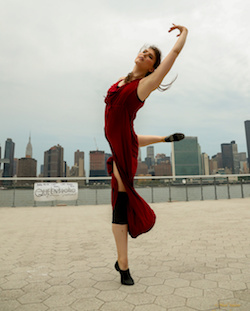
[
  {"x": 8, "y": 169},
  {"x": 74, "y": 171},
  {"x": 142, "y": 169},
  {"x": 54, "y": 166},
  {"x": 79, "y": 162},
  {"x": 97, "y": 163},
  {"x": 41, "y": 169},
  {"x": 230, "y": 158},
  {"x": 150, "y": 155},
  {"x": 162, "y": 165},
  {"x": 247, "y": 129},
  {"x": 163, "y": 169},
  {"x": 243, "y": 163},
  {"x": 148, "y": 161},
  {"x": 27, "y": 167},
  {"x": 28, "y": 153},
  {"x": 215, "y": 163},
  {"x": 186, "y": 157},
  {"x": 161, "y": 158},
  {"x": 205, "y": 164}
]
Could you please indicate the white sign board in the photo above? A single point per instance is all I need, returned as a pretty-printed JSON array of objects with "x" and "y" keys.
[{"x": 65, "y": 191}]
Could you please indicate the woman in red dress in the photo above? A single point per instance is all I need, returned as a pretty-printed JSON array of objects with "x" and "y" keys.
[{"x": 131, "y": 214}]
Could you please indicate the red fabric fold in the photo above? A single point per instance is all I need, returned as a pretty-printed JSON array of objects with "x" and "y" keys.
[{"x": 122, "y": 104}]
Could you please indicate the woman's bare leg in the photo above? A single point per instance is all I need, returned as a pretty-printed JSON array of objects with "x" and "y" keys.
[
  {"x": 121, "y": 187},
  {"x": 120, "y": 231},
  {"x": 145, "y": 140},
  {"x": 121, "y": 239}
]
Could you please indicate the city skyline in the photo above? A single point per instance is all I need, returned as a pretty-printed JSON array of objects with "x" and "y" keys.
[
  {"x": 150, "y": 152},
  {"x": 56, "y": 67}
]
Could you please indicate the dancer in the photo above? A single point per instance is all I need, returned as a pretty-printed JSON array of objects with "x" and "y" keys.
[{"x": 131, "y": 214}]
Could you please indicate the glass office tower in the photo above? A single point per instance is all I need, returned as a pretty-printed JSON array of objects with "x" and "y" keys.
[
  {"x": 186, "y": 157},
  {"x": 8, "y": 169}
]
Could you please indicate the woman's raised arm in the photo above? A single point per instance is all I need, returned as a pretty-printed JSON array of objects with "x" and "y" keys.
[{"x": 152, "y": 82}]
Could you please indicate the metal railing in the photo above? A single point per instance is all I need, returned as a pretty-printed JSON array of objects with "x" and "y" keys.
[{"x": 96, "y": 190}]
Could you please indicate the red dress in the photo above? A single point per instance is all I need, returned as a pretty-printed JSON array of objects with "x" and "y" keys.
[{"x": 122, "y": 104}]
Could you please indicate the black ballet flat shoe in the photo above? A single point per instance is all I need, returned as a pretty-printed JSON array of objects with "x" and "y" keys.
[
  {"x": 126, "y": 278},
  {"x": 174, "y": 137}
]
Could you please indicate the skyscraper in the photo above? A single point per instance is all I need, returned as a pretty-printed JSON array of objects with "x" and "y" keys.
[
  {"x": 97, "y": 163},
  {"x": 8, "y": 169},
  {"x": 151, "y": 154},
  {"x": 28, "y": 153},
  {"x": 205, "y": 164},
  {"x": 79, "y": 162},
  {"x": 54, "y": 166},
  {"x": 27, "y": 166},
  {"x": 186, "y": 157},
  {"x": 230, "y": 158},
  {"x": 247, "y": 128}
]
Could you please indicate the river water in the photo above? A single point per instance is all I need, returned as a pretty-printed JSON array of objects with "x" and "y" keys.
[{"x": 87, "y": 196}]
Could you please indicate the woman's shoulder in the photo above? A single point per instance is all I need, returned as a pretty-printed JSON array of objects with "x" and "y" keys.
[{"x": 120, "y": 81}]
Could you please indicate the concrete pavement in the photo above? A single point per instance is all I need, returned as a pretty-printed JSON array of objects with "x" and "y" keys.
[{"x": 197, "y": 257}]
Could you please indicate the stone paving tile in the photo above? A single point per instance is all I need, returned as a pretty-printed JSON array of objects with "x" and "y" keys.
[
  {"x": 184, "y": 309},
  {"x": 84, "y": 292},
  {"x": 112, "y": 295},
  {"x": 232, "y": 285},
  {"x": 9, "y": 305},
  {"x": 59, "y": 301},
  {"x": 170, "y": 301},
  {"x": 150, "y": 307},
  {"x": 89, "y": 304},
  {"x": 188, "y": 292},
  {"x": 33, "y": 297},
  {"x": 217, "y": 293},
  {"x": 13, "y": 284},
  {"x": 140, "y": 298},
  {"x": 60, "y": 260},
  {"x": 243, "y": 294},
  {"x": 137, "y": 288},
  {"x": 204, "y": 284},
  {"x": 10, "y": 294},
  {"x": 202, "y": 303},
  {"x": 160, "y": 290},
  {"x": 115, "y": 306},
  {"x": 176, "y": 282},
  {"x": 151, "y": 281},
  {"x": 32, "y": 307}
]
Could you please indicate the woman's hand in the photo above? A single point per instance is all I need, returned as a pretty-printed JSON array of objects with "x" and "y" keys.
[{"x": 181, "y": 28}]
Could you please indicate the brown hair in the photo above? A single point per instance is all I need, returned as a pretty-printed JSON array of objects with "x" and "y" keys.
[{"x": 162, "y": 87}]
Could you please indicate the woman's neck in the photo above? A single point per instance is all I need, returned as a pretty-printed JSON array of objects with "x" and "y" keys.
[
  {"x": 137, "y": 73},
  {"x": 134, "y": 75}
]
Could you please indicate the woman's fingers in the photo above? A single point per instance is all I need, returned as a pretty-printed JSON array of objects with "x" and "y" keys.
[{"x": 176, "y": 27}]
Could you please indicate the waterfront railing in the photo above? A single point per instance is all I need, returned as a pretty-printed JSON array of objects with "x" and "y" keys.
[{"x": 19, "y": 191}]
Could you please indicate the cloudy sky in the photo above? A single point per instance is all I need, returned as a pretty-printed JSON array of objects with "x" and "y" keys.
[{"x": 59, "y": 57}]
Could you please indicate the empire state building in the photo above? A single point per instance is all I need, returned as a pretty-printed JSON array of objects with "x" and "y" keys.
[
  {"x": 27, "y": 165},
  {"x": 29, "y": 149}
]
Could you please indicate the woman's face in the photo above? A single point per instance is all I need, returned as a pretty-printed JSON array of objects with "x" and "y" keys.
[{"x": 146, "y": 60}]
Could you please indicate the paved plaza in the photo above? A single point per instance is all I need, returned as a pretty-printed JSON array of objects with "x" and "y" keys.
[{"x": 197, "y": 257}]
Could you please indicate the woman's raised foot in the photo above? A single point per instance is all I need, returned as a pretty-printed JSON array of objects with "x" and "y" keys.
[{"x": 174, "y": 137}]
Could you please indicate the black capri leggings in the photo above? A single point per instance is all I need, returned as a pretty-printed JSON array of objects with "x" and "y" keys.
[{"x": 120, "y": 210}]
